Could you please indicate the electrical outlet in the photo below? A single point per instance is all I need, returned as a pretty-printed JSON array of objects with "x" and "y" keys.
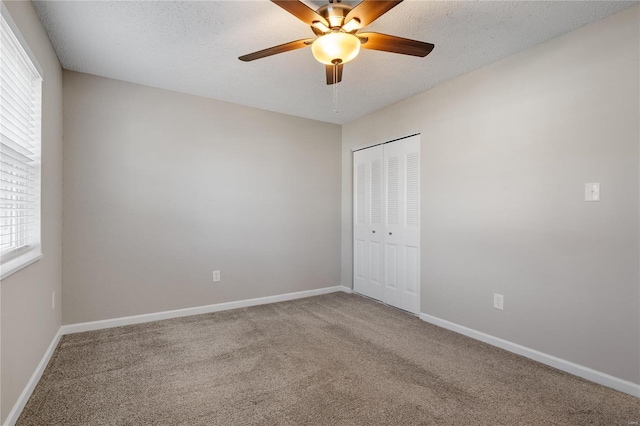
[
  {"x": 216, "y": 276},
  {"x": 498, "y": 301},
  {"x": 53, "y": 300}
]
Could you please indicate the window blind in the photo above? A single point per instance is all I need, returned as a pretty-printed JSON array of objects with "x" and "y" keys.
[{"x": 20, "y": 117}]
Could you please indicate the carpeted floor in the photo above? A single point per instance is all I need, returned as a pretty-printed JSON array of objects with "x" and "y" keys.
[{"x": 336, "y": 359}]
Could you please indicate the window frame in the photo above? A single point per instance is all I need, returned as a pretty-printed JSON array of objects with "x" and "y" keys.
[{"x": 22, "y": 257}]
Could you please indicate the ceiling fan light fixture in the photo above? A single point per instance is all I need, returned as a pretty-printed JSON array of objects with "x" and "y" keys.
[
  {"x": 335, "y": 21},
  {"x": 320, "y": 26},
  {"x": 352, "y": 25},
  {"x": 335, "y": 48}
]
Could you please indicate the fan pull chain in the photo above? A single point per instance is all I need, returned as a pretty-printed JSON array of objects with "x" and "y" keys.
[{"x": 335, "y": 88}]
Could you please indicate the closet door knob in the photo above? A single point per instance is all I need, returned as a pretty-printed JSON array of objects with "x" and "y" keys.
[
  {"x": 373, "y": 231},
  {"x": 390, "y": 233}
]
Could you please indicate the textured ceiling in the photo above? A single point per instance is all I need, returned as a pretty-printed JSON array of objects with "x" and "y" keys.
[{"x": 192, "y": 47}]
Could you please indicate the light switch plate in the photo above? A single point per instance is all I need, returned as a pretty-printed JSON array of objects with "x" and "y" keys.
[{"x": 592, "y": 191}]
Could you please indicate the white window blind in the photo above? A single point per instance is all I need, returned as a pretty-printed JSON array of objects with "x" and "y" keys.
[{"x": 20, "y": 121}]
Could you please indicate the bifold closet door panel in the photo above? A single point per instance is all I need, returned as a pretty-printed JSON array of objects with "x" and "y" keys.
[
  {"x": 368, "y": 207},
  {"x": 393, "y": 232},
  {"x": 401, "y": 255},
  {"x": 410, "y": 223}
]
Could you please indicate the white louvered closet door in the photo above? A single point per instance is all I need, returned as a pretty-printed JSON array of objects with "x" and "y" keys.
[
  {"x": 402, "y": 224},
  {"x": 387, "y": 261},
  {"x": 367, "y": 222}
]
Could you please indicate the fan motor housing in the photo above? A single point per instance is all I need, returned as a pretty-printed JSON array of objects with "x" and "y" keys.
[{"x": 334, "y": 13}]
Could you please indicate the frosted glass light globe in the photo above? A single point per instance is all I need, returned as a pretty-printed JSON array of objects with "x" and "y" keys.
[{"x": 335, "y": 48}]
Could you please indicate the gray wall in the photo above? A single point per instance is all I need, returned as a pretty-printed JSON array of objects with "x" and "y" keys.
[
  {"x": 28, "y": 322},
  {"x": 161, "y": 188},
  {"x": 506, "y": 151}
]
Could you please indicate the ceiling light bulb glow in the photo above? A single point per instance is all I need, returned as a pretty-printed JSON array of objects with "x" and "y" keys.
[
  {"x": 335, "y": 21},
  {"x": 352, "y": 25},
  {"x": 335, "y": 48},
  {"x": 320, "y": 26}
]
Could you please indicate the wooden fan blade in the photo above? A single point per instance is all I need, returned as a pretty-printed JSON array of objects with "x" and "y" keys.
[
  {"x": 293, "y": 45},
  {"x": 330, "y": 73},
  {"x": 389, "y": 43},
  {"x": 301, "y": 11},
  {"x": 369, "y": 10}
]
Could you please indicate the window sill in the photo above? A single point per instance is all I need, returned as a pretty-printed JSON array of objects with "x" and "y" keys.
[{"x": 14, "y": 265}]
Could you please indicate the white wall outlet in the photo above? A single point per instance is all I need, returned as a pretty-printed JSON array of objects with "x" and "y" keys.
[
  {"x": 53, "y": 300},
  {"x": 592, "y": 191},
  {"x": 216, "y": 276},
  {"x": 498, "y": 301}
]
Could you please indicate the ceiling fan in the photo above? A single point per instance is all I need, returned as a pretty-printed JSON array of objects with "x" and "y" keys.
[{"x": 338, "y": 41}]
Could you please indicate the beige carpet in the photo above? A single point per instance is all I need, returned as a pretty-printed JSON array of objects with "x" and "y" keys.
[{"x": 336, "y": 359}]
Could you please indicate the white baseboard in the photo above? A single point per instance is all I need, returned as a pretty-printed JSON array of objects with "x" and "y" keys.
[
  {"x": 12, "y": 418},
  {"x": 156, "y": 316},
  {"x": 550, "y": 360},
  {"x": 345, "y": 289}
]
